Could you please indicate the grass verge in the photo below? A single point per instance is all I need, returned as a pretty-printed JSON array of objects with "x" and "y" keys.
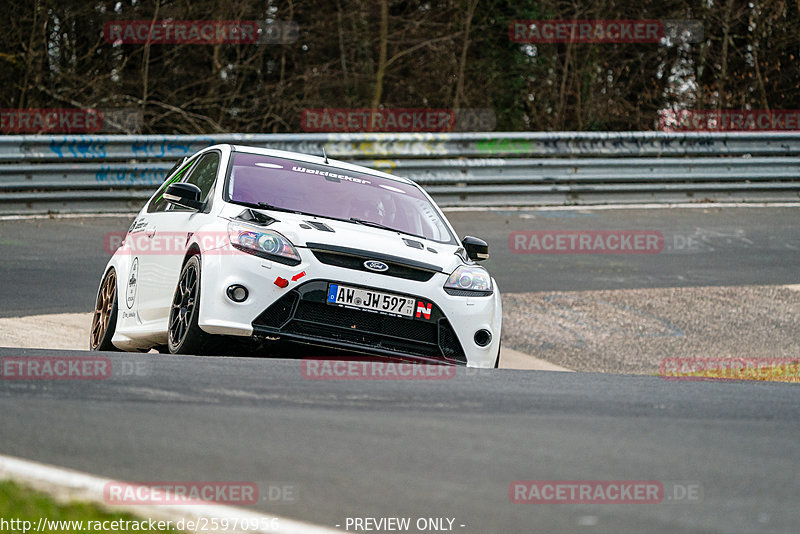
[{"x": 22, "y": 508}]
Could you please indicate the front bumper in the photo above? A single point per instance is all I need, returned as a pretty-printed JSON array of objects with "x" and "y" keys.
[
  {"x": 304, "y": 315},
  {"x": 299, "y": 312}
]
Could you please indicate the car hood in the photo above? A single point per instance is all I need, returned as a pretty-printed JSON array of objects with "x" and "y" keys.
[{"x": 306, "y": 231}]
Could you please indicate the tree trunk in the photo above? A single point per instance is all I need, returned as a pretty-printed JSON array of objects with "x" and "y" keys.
[
  {"x": 463, "y": 62},
  {"x": 383, "y": 42}
]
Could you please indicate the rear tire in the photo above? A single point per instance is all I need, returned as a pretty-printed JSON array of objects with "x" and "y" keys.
[
  {"x": 184, "y": 334},
  {"x": 104, "y": 320},
  {"x": 497, "y": 360}
]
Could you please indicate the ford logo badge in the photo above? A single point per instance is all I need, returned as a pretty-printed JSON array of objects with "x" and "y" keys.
[{"x": 375, "y": 265}]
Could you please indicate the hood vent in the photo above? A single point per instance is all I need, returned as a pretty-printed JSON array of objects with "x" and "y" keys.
[
  {"x": 319, "y": 226},
  {"x": 413, "y": 244},
  {"x": 256, "y": 217}
]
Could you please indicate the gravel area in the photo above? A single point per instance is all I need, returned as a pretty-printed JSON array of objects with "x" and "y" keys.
[{"x": 632, "y": 330}]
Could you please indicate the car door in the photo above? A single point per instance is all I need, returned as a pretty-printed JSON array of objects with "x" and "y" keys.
[{"x": 169, "y": 227}]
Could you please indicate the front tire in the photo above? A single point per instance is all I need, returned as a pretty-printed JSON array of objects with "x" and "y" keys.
[
  {"x": 104, "y": 320},
  {"x": 184, "y": 334}
]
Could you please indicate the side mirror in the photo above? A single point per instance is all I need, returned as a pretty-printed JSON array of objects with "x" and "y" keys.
[
  {"x": 185, "y": 195},
  {"x": 477, "y": 249}
]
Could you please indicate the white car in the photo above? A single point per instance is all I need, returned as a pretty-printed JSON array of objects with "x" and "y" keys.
[{"x": 267, "y": 245}]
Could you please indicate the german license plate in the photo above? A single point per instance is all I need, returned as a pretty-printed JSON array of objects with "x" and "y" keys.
[{"x": 366, "y": 299}]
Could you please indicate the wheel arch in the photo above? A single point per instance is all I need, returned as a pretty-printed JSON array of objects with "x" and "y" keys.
[
  {"x": 111, "y": 266},
  {"x": 193, "y": 250}
]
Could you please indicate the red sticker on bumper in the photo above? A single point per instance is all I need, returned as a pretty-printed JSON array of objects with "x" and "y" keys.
[{"x": 281, "y": 282}]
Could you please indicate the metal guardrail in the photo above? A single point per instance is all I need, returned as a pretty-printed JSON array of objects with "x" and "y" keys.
[
  {"x": 112, "y": 173},
  {"x": 29, "y": 148}
]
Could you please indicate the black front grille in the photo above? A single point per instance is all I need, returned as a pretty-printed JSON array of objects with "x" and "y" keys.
[
  {"x": 356, "y": 263},
  {"x": 448, "y": 341},
  {"x": 367, "y": 321},
  {"x": 279, "y": 313},
  {"x": 303, "y": 314}
]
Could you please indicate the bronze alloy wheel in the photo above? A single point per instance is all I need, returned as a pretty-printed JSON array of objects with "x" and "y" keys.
[{"x": 105, "y": 314}]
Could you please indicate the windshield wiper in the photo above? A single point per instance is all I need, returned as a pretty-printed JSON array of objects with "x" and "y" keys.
[
  {"x": 382, "y": 226},
  {"x": 268, "y": 206}
]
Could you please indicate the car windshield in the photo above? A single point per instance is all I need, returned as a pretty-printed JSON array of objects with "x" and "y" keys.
[{"x": 328, "y": 191}]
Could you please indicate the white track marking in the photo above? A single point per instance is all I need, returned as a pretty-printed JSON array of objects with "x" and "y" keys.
[
  {"x": 65, "y": 485},
  {"x": 513, "y": 359}
]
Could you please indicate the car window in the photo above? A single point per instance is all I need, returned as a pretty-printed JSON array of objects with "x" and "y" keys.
[
  {"x": 158, "y": 203},
  {"x": 204, "y": 174},
  {"x": 329, "y": 191}
]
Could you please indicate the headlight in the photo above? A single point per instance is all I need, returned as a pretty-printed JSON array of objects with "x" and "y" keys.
[
  {"x": 264, "y": 243},
  {"x": 469, "y": 279}
]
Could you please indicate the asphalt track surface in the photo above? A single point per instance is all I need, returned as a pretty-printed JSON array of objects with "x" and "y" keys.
[
  {"x": 54, "y": 265},
  {"x": 435, "y": 448}
]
